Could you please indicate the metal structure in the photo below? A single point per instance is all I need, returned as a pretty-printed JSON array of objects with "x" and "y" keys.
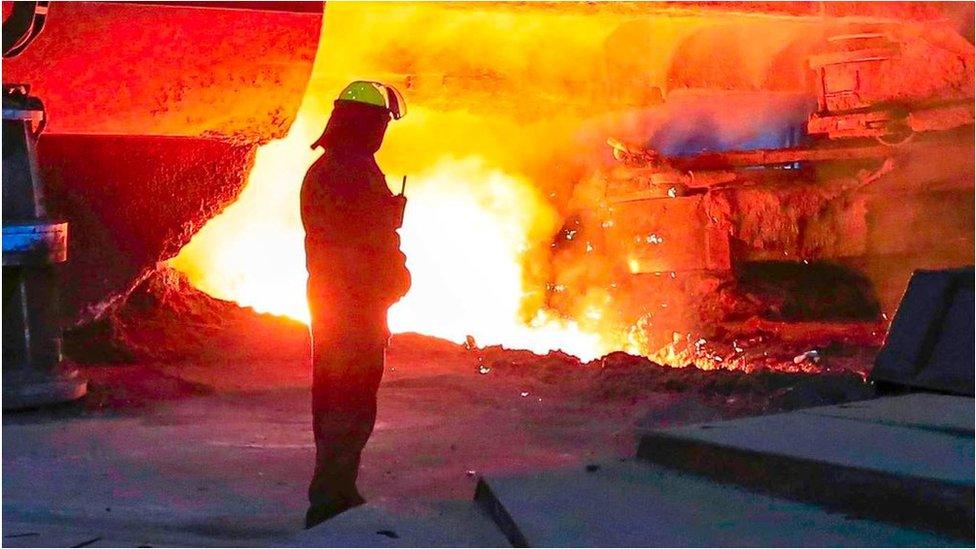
[
  {"x": 865, "y": 181},
  {"x": 33, "y": 244},
  {"x": 852, "y": 100},
  {"x": 928, "y": 346}
]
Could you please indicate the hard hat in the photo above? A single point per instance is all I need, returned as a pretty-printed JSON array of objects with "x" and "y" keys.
[{"x": 375, "y": 93}]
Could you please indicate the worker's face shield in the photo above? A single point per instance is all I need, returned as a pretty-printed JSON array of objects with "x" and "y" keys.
[{"x": 395, "y": 103}]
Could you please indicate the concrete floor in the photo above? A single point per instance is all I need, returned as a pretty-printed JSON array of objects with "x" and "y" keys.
[
  {"x": 218, "y": 452},
  {"x": 231, "y": 466}
]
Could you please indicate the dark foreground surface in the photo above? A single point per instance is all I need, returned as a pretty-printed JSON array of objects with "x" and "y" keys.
[{"x": 205, "y": 439}]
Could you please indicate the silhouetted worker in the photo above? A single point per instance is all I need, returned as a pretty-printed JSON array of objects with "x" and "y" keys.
[{"x": 356, "y": 271}]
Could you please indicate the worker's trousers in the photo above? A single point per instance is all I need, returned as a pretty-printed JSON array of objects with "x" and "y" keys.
[{"x": 348, "y": 347}]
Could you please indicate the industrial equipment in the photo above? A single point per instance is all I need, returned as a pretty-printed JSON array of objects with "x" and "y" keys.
[
  {"x": 33, "y": 244},
  {"x": 871, "y": 185}
]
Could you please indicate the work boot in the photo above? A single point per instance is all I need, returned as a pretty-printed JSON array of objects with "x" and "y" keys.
[{"x": 320, "y": 512}]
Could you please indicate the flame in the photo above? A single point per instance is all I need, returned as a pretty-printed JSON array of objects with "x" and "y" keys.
[
  {"x": 465, "y": 238},
  {"x": 510, "y": 107},
  {"x": 466, "y": 233},
  {"x": 473, "y": 224},
  {"x": 253, "y": 252}
]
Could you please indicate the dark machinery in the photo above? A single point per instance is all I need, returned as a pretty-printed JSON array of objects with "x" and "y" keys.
[{"x": 33, "y": 244}]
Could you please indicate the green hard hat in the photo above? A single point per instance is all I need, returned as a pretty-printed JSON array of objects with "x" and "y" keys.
[{"x": 375, "y": 93}]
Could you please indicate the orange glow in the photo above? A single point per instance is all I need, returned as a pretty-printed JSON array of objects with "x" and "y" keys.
[
  {"x": 477, "y": 217},
  {"x": 468, "y": 231},
  {"x": 254, "y": 252},
  {"x": 510, "y": 108}
]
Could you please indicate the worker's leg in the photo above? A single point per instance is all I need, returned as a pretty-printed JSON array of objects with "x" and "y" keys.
[{"x": 347, "y": 361}]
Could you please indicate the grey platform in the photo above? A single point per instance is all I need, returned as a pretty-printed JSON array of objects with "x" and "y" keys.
[
  {"x": 926, "y": 411},
  {"x": 895, "y": 471},
  {"x": 440, "y": 524},
  {"x": 636, "y": 504},
  {"x": 907, "y": 460},
  {"x": 63, "y": 534}
]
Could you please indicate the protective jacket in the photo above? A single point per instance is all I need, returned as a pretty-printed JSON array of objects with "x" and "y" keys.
[{"x": 350, "y": 215}]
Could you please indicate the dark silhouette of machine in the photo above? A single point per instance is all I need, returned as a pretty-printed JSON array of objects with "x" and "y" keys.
[{"x": 34, "y": 244}]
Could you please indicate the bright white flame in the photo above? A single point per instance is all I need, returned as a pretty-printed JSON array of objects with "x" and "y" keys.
[
  {"x": 466, "y": 229},
  {"x": 254, "y": 251},
  {"x": 465, "y": 233}
]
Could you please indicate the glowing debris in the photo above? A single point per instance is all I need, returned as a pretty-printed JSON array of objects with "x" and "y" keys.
[{"x": 810, "y": 356}]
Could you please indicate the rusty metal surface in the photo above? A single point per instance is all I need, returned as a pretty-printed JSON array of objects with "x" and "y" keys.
[
  {"x": 157, "y": 194},
  {"x": 130, "y": 69},
  {"x": 671, "y": 235},
  {"x": 762, "y": 157}
]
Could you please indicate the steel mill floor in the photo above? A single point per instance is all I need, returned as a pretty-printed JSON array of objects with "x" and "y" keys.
[
  {"x": 230, "y": 469},
  {"x": 216, "y": 448}
]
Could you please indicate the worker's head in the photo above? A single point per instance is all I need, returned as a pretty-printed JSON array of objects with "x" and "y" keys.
[
  {"x": 376, "y": 94},
  {"x": 360, "y": 117}
]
